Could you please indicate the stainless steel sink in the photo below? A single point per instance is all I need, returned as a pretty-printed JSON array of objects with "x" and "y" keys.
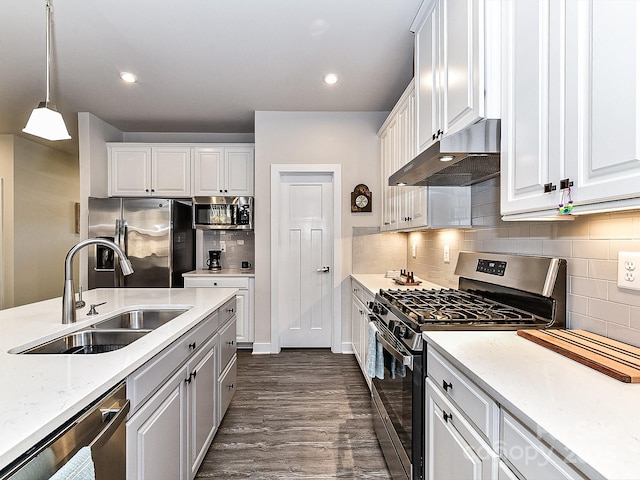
[
  {"x": 137, "y": 319},
  {"x": 90, "y": 341}
]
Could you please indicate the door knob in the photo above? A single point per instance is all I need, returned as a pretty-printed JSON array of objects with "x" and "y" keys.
[{"x": 323, "y": 269}]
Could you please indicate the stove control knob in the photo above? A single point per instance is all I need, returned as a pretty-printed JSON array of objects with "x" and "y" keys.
[
  {"x": 401, "y": 331},
  {"x": 382, "y": 310},
  {"x": 370, "y": 305},
  {"x": 374, "y": 308}
]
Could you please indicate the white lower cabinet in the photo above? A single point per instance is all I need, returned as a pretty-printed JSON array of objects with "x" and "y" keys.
[
  {"x": 360, "y": 300},
  {"x": 244, "y": 299},
  {"x": 529, "y": 456},
  {"x": 228, "y": 361},
  {"x": 454, "y": 448},
  {"x": 175, "y": 401},
  {"x": 151, "y": 451},
  {"x": 469, "y": 435}
]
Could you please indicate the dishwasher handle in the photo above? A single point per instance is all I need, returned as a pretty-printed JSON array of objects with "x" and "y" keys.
[{"x": 113, "y": 417}]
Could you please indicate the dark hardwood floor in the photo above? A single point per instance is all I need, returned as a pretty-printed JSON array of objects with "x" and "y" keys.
[{"x": 299, "y": 414}]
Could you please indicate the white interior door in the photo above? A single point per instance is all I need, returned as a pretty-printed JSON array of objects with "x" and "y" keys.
[{"x": 305, "y": 259}]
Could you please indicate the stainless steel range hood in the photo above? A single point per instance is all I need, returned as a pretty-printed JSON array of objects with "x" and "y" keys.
[{"x": 473, "y": 153}]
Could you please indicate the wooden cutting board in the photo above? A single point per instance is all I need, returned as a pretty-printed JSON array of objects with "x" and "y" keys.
[{"x": 616, "y": 359}]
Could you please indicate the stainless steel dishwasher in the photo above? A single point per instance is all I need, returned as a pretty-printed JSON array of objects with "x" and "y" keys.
[{"x": 101, "y": 426}]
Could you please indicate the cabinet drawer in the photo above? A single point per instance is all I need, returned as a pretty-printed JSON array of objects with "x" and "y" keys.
[
  {"x": 227, "y": 343},
  {"x": 529, "y": 455},
  {"x": 144, "y": 381},
  {"x": 215, "y": 281},
  {"x": 227, "y": 386},
  {"x": 479, "y": 408},
  {"x": 226, "y": 311}
]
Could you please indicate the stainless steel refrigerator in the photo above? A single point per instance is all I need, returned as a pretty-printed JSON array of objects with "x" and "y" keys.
[{"x": 156, "y": 234}]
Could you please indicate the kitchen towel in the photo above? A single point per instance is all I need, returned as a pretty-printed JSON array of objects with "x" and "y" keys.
[
  {"x": 374, "y": 366},
  {"x": 80, "y": 467}
]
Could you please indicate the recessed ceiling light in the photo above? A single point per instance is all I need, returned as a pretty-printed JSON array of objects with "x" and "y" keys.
[
  {"x": 446, "y": 158},
  {"x": 330, "y": 78},
  {"x": 128, "y": 77}
]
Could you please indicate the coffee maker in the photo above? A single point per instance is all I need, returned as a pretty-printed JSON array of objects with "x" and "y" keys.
[{"x": 214, "y": 260}]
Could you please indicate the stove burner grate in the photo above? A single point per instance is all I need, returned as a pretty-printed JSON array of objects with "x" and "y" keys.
[{"x": 454, "y": 307}]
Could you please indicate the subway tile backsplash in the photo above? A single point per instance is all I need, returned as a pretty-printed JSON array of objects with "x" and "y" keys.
[
  {"x": 239, "y": 245},
  {"x": 590, "y": 244}
]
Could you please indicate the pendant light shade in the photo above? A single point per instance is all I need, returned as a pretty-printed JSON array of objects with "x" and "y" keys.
[{"x": 45, "y": 121}]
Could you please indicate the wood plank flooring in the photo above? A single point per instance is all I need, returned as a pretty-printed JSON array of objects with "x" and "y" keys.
[{"x": 299, "y": 414}]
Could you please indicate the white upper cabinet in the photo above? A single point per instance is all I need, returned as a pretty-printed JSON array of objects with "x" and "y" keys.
[
  {"x": 223, "y": 171},
  {"x": 409, "y": 208},
  {"x": 602, "y": 129},
  {"x": 531, "y": 150},
  {"x": 570, "y": 113},
  {"x": 144, "y": 171},
  {"x": 457, "y": 54}
]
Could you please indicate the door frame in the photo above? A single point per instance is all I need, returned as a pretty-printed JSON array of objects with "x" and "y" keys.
[{"x": 335, "y": 170}]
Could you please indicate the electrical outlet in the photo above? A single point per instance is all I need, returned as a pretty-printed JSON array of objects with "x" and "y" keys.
[
  {"x": 629, "y": 270},
  {"x": 447, "y": 258}
]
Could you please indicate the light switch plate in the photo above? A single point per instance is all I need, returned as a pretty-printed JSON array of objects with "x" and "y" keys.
[
  {"x": 414, "y": 250},
  {"x": 629, "y": 270},
  {"x": 447, "y": 258}
]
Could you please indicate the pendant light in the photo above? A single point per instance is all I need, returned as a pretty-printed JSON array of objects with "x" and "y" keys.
[{"x": 45, "y": 121}]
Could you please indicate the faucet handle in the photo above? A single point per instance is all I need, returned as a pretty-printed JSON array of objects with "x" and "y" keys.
[
  {"x": 80, "y": 303},
  {"x": 92, "y": 308}
]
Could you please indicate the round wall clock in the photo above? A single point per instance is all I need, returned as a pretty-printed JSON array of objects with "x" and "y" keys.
[{"x": 361, "y": 199}]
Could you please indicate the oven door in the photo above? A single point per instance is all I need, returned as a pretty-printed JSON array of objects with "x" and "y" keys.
[{"x": 397, "y": 399}]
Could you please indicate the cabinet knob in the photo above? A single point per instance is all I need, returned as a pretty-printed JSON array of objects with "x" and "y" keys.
[
  {"x": 230, "y": 342},
  {"x": 215, "y": 284},
  {"x": 446, "y": 386},
  {"x": 446, "y": 416},
  {"x": 230, "y": 310},
  {"x": 230, "y": 387},
  {"x": 192, "y": 346},
  {"x": 549, "y": 187}
]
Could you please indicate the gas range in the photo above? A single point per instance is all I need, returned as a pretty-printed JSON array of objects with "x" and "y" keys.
[{"x": 496, "y": 292}]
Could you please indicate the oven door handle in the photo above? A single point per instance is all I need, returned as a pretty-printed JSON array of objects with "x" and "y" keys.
[{"x": 406, "y": 360}]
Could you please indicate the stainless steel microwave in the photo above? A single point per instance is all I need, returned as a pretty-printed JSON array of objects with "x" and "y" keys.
[{"x": 223, "y": 213}]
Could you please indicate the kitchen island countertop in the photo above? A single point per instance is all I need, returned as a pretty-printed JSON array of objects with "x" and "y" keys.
[
  {"x": 41, "y": 392},
  {"x": 576, "y": 410}
]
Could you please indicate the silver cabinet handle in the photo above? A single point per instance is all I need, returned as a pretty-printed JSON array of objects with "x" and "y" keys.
[{"x": 323, "y": 269}]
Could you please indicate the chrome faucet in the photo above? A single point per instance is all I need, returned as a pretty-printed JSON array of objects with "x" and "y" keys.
[{"x": 69, "y": 296}]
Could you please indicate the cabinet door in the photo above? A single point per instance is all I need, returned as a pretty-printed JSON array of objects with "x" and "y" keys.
[
  {"x": 389, "y": 214},
  {"x": 462, "y": 75},
  {"x": 603, "y": 98},
  {"x": 129, "y": 171},
  {"x": 202, "y": 419},
  {"x": 427, "y": 79},
  {"x": 531, "y": 152},
  {"x": 356, "y": 326},
  {"x": 207, "y": 171},
  {"x": 155, "y": 434},
  {"x": 171, "y": 171},
  {"x": 243, "y": 333},
  {"x": 454, "y": 449},
  {"x": 239, "y": 164}
]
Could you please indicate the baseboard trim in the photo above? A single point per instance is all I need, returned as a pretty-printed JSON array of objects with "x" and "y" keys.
[{"x": 261, "y": 348}]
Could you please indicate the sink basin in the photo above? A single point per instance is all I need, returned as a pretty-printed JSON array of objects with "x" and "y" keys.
[
  {"x": 141, "y": 318},
  {"x": 90, "y": 341}
]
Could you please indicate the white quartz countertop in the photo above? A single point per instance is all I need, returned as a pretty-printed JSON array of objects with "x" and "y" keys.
[
  {"x": 225, "y": 272},
  {"x": 569, "y": 405},
  {"x": 41, "y": 392},
  {"x": 376, "y": 281}
]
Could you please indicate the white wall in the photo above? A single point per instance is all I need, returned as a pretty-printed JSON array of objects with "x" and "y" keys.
[{"x": 346, "y": 138}]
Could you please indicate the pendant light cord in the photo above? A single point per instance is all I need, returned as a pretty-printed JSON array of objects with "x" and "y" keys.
[{"x": 48, "y": 49}]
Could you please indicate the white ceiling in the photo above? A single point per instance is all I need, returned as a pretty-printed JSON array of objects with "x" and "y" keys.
[{"x": 203, "y": 65}]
